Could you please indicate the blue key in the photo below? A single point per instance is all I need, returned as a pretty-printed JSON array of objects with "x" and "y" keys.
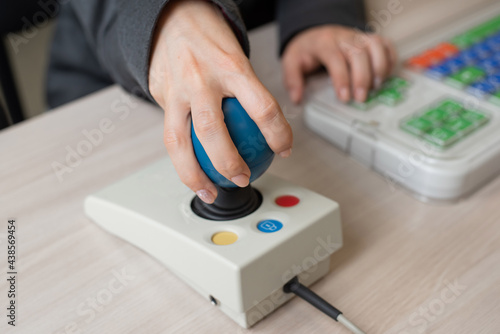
[
  {"x": 482, "y": 47},
  {"x": 495, "y": 36},
  {"x": 482, "y": 50},
  {"x": 470, "y": 56},
  {"x": 465, "y": 57},
  {"x": 494, "y": 80},
  {"x": 481, "y": 88},
  {"x": 439, "y": 72},
  {"x": 489, "y": 65},
  {"x": 493, "y": 42},
  {"x": 455, "y": 63}
]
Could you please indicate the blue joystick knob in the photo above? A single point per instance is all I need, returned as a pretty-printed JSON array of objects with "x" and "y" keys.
[{"x": 247, "y": 138}]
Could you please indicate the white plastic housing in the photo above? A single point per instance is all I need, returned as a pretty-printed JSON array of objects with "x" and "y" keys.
[
  {"x": 151, "y": 209},
  {"x": 374, "y": 137}
]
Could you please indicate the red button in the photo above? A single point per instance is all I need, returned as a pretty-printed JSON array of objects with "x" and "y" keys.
[
  {"x": 446, "y": 49},
  {"x": 287, "y": 201},
  {"x": 420, "y": 62}
]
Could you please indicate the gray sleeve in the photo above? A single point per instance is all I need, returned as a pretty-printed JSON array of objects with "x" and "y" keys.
[
  {"x": 121, "y": 31},
  {"x": 295, "y": 16}
]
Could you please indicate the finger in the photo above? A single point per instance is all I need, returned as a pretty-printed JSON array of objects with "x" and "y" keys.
[
  {"x": 393, "y": 55},
  {"x": 177, "y": 139},
  {"x": 293, "y": 76},
  {"x": 208, "y": 122},
  {"x": 361, "y": 73},
  {"x": 265, "y": 112},
  {"x": 336, "y": 65},
  {"x": 380, "y": 61}
]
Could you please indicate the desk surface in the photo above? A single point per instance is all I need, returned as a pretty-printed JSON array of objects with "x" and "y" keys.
[{"x": 406, "y": 266}]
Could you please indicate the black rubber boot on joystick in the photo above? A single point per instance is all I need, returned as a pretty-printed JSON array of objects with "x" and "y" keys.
[{"x": 231, "y": 203}]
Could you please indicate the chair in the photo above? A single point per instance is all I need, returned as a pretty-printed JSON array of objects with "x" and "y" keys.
[
  {"x": 14, "y": 15},
  {"x": 9, "y": 90}
]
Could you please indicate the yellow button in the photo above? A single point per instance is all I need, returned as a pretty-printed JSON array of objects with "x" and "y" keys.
[{"x": 224, "y": 238}]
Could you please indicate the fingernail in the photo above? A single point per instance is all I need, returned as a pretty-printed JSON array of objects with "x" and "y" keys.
[
  {"x": 286, "y": 153},
  {"x": 377, "y": 82},
  {"x": 360, "y": 94},
  {"x": 241, "y": 180},
  {"x": 344, "y": 94},
  {"x": 206, "y": 196}
]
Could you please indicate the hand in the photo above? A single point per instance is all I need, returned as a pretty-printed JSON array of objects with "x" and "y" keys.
[
  {"x": 355, "y": 61},
  {"x": 196, "y": 61}
]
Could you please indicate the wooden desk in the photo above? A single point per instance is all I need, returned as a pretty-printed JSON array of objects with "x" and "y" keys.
[{"x": 392, "y": 276}]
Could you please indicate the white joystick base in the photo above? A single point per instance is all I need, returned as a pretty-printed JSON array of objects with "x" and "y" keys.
[{"x": 244, "y": 274}]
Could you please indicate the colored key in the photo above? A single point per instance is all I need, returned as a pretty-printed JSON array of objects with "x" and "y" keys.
[
  {"x": 436, "y": 115},
  {"x": 466, "y": 76},
  {"x": 391, "y": 93},
  {"x": 397, "y": 83},
  {"x": 445, "y": 123},
  {"x": 417, "y": 126},
  {"x": 481, "y": 89},
  {"x": 389, "y": 96},
  {"x": 441, "y": 136},
  {"x": 458, "y": 124},
  {"x": 450, "y": 106},
  {"x": 469, "y": 61}
]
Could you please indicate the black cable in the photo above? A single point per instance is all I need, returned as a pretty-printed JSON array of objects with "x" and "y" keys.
[
  {"x": 294, "y": 286},
  {"x": 309, "y": 296}
]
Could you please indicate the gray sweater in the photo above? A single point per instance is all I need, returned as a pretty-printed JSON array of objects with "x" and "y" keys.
[{"x": 101, "y": 42}]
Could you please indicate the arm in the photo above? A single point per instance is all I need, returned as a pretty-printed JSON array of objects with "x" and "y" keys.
[
  {"x": 295, "y": 16},
  {"x": 186, "y": 56},
  {"x": 121, "y": 33}
]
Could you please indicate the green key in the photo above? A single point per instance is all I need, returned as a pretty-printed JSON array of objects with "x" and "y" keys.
[
  {"x": 486, "y": 28},
  {"x": 465, "y": 77},
  {"x": 446, "y": 123},
  {"x": 474, "y": 117},
  {"x": 435, "y": 115},
  {"x": 495, "y": 98},
  {"x": 476, "y": 34},
  {"x": 464, "y": 40},
  {"x": 496, "y": 22},
  {"x": 458, "y": 125},
  {"x": 389, "y": 96},
  {"x": 450, "y": 106},
  {"x": 417, "y": 126},
  {"x": 482, "y": 32},
  {"x": 396, "y": 83},
  {"x": 441, "y": 137},
  {"x": 370, "y": 101}
]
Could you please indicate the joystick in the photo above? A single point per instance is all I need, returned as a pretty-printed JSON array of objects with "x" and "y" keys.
[
  {"x": 238, "y": 252},
  {"x": 232, "y": 201}
]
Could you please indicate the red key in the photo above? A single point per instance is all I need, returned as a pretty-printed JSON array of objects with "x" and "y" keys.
[
  {"x": 446, "y": 49},
  {"x": 419, "y": 62},
  {"x": 434, "y": 56}
]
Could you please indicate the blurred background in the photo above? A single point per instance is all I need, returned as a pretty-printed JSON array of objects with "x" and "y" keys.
[{"x": 26, "y": 28}]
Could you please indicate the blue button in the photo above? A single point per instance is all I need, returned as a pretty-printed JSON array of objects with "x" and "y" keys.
[
  {"x": 482, "y": 50},
  {"x": 489, "y": 65},
  {"x": 455, "y": 63},
  {"x": 439, "y": 71},
  {"x": 481, "y": 88},
  {"x": 470, "y": 56},
  {"x": 493, "y": 42},
  {"x": 494, "y": 80},
  {"x": 464, "y": 57},
  {"x": 269, "y": 226}
]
